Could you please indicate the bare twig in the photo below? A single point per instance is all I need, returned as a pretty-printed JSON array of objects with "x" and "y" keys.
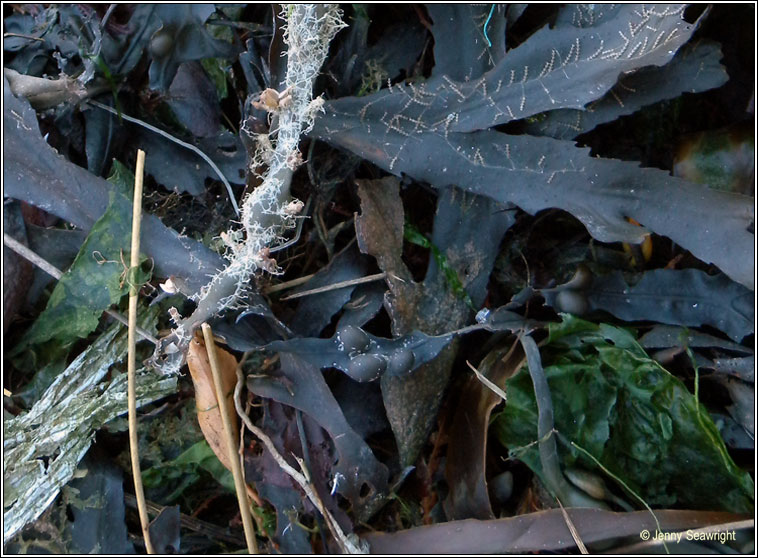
[
  {"x": 252, "y": 493},
  {"x": 178, "y": 142},
  {"x": 239, "y": 483},
  {"x": 22, "y": 36},
  {"x": 56, "y": 273},
  {"x": 287, "y": 284},
  {"x": 492, "y": 386},
  {"x": 572, "y": 529},
  {"x": 623, "y": 484},
  {"x": 107, "y": 15},
  {"x": 31, "y": 256},
  {"x": 132, "y": 357},
  {"x": 300, "y": 477},
  {"x": 338, "y": 285}
]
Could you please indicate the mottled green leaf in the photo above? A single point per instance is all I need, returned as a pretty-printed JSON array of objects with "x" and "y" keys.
[
  {"x": 722, "y": 159},
  {"x": 638, "y": 420},
  {"x": 96, "y": 279},
  {"x": 35, "y": 173}
]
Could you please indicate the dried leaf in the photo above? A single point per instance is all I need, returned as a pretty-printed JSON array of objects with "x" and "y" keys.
[
  {"x": 467, "y": 231},
  {"x": 465, "y": 468},
  {"x": 379, "y": 229},
  {"x": 535, "y": 532},
  {"x": 208, "y": 412}
]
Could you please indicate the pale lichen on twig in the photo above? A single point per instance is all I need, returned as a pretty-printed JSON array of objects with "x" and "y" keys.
[{"x": 266, "y": 213}]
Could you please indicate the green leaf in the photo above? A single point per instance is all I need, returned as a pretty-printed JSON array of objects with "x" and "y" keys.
[
  {"x": 96, "y": 279},
  {"x": 217, "y": 70},
  {"x": 638, "y": 420},
  {"x": 415, "y": 236},
  {"x": 185, "y": 470},
  {"x": 123, "y": 179},
  {"x": 722, "y": 159}
]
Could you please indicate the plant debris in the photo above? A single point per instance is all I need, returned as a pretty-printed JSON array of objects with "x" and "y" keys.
[{"x": 483, "y": 275}]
